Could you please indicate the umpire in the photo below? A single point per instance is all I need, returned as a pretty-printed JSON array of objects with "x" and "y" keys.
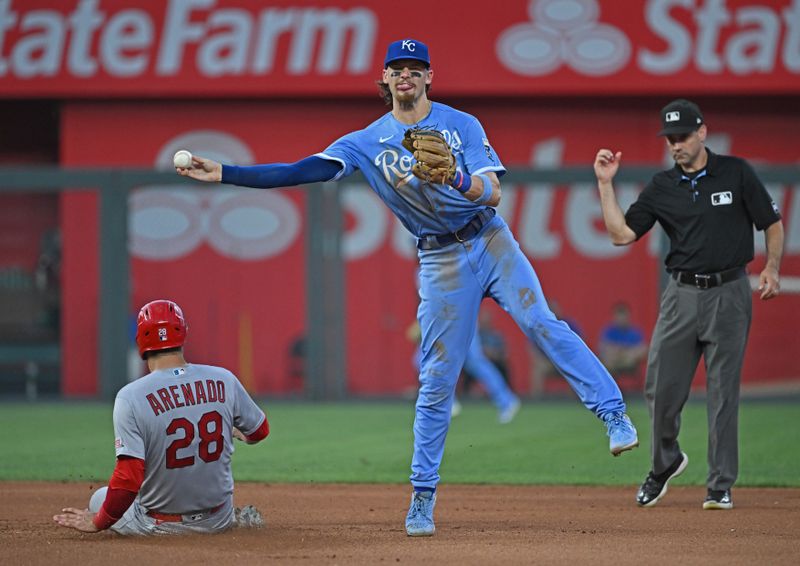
[{"x": 707, "y": 204}]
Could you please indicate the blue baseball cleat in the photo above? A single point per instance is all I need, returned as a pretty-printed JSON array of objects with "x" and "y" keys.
[
  {"x": 419, "y": 521},
  {"x": 621, "y": 432}
]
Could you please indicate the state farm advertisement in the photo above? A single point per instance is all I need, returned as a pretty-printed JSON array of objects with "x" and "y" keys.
[
  {"x": 234, "y": 258},
  {"x": 99, "y": 48}
]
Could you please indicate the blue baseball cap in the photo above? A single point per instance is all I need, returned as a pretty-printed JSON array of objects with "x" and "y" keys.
[{"x": 407, "y": 49}]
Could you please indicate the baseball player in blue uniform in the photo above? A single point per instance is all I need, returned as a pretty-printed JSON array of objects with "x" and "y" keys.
[{"x": 466, "y": 251}]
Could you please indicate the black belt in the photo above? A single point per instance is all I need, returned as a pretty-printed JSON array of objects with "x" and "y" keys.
[
  {"x": 463, "y": 234},
  {"x": 708, "y": 280}
]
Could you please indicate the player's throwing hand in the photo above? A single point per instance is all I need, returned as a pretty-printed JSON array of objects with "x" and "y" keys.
[
  {"x": 606, "y": 165},
  {"x": 202, "y": 169}
]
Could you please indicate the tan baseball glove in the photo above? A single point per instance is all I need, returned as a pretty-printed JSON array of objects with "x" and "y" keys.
[{"x": 435, "y": 162}]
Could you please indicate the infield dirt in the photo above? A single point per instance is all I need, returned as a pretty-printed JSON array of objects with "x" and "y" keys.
[{"x": 363, "y": 524}]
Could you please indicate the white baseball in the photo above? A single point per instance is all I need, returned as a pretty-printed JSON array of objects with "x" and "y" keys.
[{"x": 182, "y": 159}]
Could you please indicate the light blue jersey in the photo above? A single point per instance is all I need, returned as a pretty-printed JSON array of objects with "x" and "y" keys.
[{"x": 423, "y": 208}]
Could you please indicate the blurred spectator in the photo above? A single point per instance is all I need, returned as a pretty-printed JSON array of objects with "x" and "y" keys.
[
  {"x": 136, "y": 365},
  {"x": 48, "y": 277},
  {"x": 494, "y": 347},
  {"x": 48, "y": 264},
  {"x": 482, "y": 370},
  {"x": 622, "y": 344},
  {"x": 543, "y": 368},
  {"x": 298, "y": 351}
]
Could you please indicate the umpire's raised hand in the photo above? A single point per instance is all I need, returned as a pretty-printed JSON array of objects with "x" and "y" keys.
[{"x": 606, "y": 165}]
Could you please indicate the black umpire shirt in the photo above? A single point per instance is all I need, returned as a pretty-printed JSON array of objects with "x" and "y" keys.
[{"x": 708, "y": 216}]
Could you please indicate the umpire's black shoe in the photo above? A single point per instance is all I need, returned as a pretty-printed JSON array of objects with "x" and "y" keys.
[
  {"x": 718, "y": 499},
  {"x": 655, "y": 487}
]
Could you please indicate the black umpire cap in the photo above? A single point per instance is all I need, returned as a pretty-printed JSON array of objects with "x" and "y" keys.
[{"x": 680, "y": 117}]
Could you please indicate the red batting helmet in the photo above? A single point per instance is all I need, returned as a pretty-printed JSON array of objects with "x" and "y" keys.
[{"x": 160, "y": 326}]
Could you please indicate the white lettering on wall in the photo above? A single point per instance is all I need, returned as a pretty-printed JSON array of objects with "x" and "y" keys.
[
  {"x": 38, "y": 53},
  {"x": 709, "y": 20},
  {"x": 125, "y": 44},
  {"x": 538, "y": 206},
  {"x": 584, "y": 220},
  {"x": 534, "y": 232},
  {"x": 91, "y": 40},
  {"x": 85, "y": 20},
  {"x": 791, "y": 40},
  {"x": 753, "y": 50},
  {"x": 678, "y": 40},
  {"x": 179, "y": 30},
  {"x": 333, "y": 26},
  {"x": 224, "y": 51},
  {"x": 371, "y": 219},
  {"x": 754, "y": 46}
]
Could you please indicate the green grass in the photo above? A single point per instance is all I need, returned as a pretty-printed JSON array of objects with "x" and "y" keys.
[{"x": 548, "y": 443}]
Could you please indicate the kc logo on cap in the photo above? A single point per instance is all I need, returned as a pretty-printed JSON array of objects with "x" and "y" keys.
[
  {"x": 673, "y": 116},
  {"x": 407, "y": 49}
]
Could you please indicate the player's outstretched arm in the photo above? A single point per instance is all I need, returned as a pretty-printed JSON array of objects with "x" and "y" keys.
[
  {"x": 78, "y": 519},
  {"x": 312, "y": 169},
  {"x": 606, "y": 165}
]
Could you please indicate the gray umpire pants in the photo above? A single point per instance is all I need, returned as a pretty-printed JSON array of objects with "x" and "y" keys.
[{"x": 692, "y": 322}]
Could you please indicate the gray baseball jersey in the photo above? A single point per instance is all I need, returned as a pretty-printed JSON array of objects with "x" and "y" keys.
[{"x": 179, "y": 421}]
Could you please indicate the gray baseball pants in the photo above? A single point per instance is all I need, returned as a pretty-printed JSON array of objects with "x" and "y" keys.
[
  {"x": 713, "y": 323},
  {"x": 136, "y": 521}
]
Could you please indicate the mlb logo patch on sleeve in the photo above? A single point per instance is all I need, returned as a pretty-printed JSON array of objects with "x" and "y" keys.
[{"x": 723, "y": 198}]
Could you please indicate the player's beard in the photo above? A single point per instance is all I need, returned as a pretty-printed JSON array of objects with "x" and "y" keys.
[
  {"x": 407, "y": 101},
  {"x": 406, "y": 105}
]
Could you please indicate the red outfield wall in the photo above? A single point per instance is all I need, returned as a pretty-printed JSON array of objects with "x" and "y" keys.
[{"x": 234, "y": 258}]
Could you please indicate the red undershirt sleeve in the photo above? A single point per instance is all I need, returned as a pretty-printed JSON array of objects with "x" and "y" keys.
[
  {"x": 122, "y": 489},
  {"x": 259, "y": 434}
]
